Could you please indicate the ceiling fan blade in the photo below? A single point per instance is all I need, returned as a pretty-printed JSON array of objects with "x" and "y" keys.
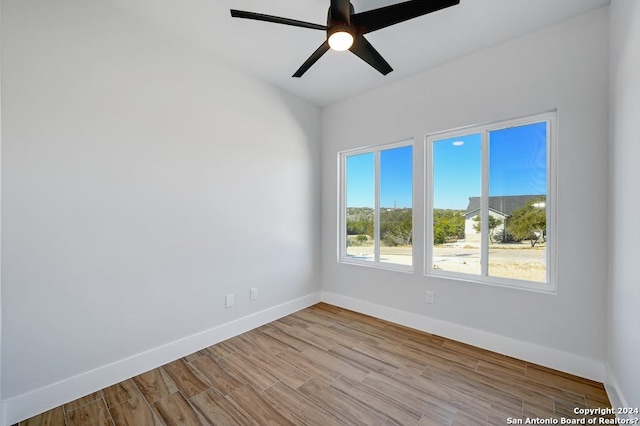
[
  {"x": 340, "y": 10},
  {"x": 276, "y": 19},
  {"x": 312, "y": 59},
  {"x": 365, "y": 51},
  {"x": 383, "y": 17}
]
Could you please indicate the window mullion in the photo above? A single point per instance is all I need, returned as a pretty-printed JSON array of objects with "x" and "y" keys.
[
  {"x": 428, "y": 207},
  {"x": 376, "y": 210},
  {"x": 342, "y": 209},
  {"x": 484, "y": 207},
  {"x": 550, "y": 214}
]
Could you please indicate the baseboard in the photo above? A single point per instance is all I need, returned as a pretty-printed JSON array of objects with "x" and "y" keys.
[
  {"x": 613, "y": 390},
  {"x": 616, "y": 397},
  {"x": 548, "y": 357},
  {"x": 29, "y": 404}
]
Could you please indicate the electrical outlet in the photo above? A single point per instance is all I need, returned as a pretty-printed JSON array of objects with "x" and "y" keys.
[
  {"x": 429, "y": 296},
  {"x": 228, "y": 301},
  {"x": 253, "y": 295}
]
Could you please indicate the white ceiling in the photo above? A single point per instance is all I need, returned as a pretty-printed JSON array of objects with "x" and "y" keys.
[{"x": 274, "y": 52}]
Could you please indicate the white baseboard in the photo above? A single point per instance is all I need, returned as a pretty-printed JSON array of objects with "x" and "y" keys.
[
  {"x": 616, "y": 397},
  {"x": 29, "y": 404},
  {"x": 548, "y": 357}
]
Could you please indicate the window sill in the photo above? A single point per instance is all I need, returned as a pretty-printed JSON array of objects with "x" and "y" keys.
[
  {"x": 378, "y": 265},
  {"x": 546, "y": 288}
]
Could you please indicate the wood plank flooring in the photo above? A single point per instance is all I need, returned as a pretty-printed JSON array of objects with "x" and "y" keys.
[{"x": 329, "y": 366}]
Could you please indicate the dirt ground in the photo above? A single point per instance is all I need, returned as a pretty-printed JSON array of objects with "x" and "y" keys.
[{"x": 518, "y": 261}]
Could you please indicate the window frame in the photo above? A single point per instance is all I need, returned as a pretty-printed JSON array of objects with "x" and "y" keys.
[
  {"x": 550, "y": 286},
  {"x": 342, "y": 206}
]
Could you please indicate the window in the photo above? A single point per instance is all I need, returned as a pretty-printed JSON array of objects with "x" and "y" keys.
[
  {"x": 376, "y": 206},
  {"x": 490, "y": 205}
]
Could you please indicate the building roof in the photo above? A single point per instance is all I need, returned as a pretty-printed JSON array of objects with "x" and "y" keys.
[{"x": 504, "y": 205}]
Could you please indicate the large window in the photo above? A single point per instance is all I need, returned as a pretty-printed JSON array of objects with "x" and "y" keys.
[
  {"x": 376, "y": 206},
  {"x": 490, "y": 204}
]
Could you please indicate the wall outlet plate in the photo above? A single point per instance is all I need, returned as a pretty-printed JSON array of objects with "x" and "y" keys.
[
  {"x": 429, "y": 296},
  {"x": 228, "y": 301}
]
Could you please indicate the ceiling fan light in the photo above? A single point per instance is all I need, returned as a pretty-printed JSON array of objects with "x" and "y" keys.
[{"x": 341, "y": 40}]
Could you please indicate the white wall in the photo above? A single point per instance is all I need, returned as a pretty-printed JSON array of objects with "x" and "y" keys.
[
  {"x": 563, "y": 67},
  {"x": 2, "y": 416},
  {"x": 624, "y": 289},
  {"x": 142, "y": 181}
]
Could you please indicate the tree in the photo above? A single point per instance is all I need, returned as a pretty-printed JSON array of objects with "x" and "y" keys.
[
  {"x": 396, "y": 227},
  {"x": 493, "y": 224},
  {"x": 360, "y": 221},
  {"x": 530, "y": 221},
  {"x": 447, "y": 224}
]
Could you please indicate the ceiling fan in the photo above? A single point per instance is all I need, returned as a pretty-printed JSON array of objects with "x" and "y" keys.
[{"x": 346, "y": 29}]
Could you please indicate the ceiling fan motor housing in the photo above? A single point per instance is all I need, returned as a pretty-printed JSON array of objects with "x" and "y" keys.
[
  {"x": 340, "y": 32},
  {"x": 335, "y": 16},
  {"x": 337, "y": 28}
]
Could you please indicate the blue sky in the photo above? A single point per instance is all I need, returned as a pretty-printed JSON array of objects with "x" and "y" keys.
[
  {"x": 517, "y": 163},
  {"x": 396, "y": 172},
  {"x": 396, "y": 177},
  {"x": 457, "y": 171},
  {"x": 518, "y": 168},
  {"x": 360, "y": 180}
]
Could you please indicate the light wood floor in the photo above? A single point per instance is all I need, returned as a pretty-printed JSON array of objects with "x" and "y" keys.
[{"x": 328, "y": 366}]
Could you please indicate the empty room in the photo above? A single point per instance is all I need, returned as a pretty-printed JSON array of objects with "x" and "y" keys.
[{"x": 319, "y": 212}]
